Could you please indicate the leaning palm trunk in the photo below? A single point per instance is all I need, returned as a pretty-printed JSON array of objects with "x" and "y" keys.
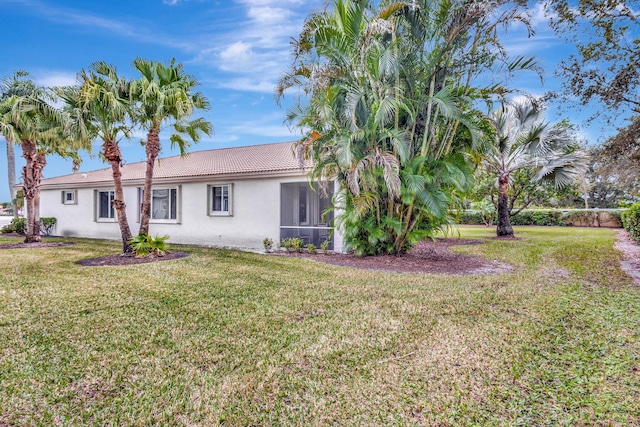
[
  {"x": 152, "y": 148},
  {"x": 112, "y": 153},
  {"x": 32, "y": 175},
  {"x": 504, "y": 223},
  {"x": 11, "y": 165}
]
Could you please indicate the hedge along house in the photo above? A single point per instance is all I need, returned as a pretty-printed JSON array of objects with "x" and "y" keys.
[{"x": 233, "y": 197}]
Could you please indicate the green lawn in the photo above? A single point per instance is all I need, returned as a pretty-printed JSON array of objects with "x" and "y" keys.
[{"x": 231, "y": 338}]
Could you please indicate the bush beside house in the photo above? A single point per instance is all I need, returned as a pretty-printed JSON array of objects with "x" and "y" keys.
[{"x": 19, "y": 225}]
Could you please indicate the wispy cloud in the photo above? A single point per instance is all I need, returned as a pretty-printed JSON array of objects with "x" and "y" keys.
[
  {"x": 78, "y": 18},
  {"x": 253, "y": 55}
]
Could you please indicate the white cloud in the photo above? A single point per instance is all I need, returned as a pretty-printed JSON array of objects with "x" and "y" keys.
[
  {"x": 50, "y": 78},
  {"x": 268, "y": 15},
  {"x": 236, "y": 57},
  {"x": 538, "y": 15},
  {"x": 170, "y": 2},
  {"x": 249, "y": 84}
]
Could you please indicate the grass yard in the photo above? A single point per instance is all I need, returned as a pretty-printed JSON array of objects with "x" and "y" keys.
[{"x": 231, "y": 338}]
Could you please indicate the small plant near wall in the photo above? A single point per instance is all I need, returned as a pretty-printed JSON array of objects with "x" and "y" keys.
[
  {"x": 268, "y": 244},
  {"x": 311, "y": 248},
  {"x": 297, "y": 244},
  {"x": 286, "y": 244},
  {"x": 47, "y": 225},
  {"x": 324, "y": 246},
  {"x": 294, "y": 244},
  {"x": 145, "y": 245}
]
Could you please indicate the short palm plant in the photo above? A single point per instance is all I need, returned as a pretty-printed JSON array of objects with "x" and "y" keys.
[{"x": 144, "y": 245}]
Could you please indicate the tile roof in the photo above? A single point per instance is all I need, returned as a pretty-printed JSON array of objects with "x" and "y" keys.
[{"x": 255, "y": 159}]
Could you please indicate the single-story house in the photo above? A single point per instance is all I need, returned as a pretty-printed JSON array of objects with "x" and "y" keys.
[{"x": 232, "y": 197}]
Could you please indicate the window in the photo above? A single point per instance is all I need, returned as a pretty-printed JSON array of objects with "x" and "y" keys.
[
  {"x": 164, "y": 204},
  {"x": 105, "y": 205},
  {"x": 69, "y": 198},
  {"x": 220, "y": 199}
]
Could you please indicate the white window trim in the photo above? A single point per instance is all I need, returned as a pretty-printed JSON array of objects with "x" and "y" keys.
[
  {"x": 97, "y": 207},
  {"x": 210, "y": 211},
  {"x": 69, "y": 202},
  {"x": 177, "y": 220}
]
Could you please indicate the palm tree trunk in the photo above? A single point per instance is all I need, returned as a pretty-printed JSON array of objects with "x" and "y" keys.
[
  {"x": 11, "y": 166},
  {"x": 111, "y": 152},
  {"x": 31, "y": 176},
  {"x": 152, "y": 148},
  {"x": 504, "y": 223}
]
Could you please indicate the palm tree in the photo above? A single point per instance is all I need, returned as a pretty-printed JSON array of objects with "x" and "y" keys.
[
  {"x": 41, "y": 129},
  {"x": 390, "y": 110},
  {"x": 15, "y": 85},
  {"x": 523, "y": 140},
  {"x": 164, "y": 96},
  {"x": 101, "y": 103}
]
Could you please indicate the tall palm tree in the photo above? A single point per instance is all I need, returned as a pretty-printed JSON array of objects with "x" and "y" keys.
[
  {"x": 523, "y": 140},
  {"x": 10, "y": 86},
  {"x": 101, "y": 102},
  {"x": 390, "y": 110},
  {"x": 41, "y": 129},
  {"x": 164, "y": 96}
]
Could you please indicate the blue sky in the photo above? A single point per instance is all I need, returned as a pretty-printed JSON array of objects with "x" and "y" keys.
[{"x": 236, "y": 48}]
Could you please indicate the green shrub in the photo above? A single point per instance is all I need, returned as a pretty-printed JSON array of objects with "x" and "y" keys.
[
  {"x": 311, "y": 248},
  {"x": 324, "y": 246},
  {"x": 472, "y": 218},
  {"x": 538, "y": 217},
  {"x": 286, "y": 244},
  {"x": 631, "y": 221},
  {"x": 292, "y": 244},
  {"x": 46, "y": 225},
  {"x": 486, "y": 210},
  {"x": 297, "y": 244},
  {"x": 550, "y": 217},
  {"x": 18, "y": 225},
  {"x": 267, "y": 243},
  {"x": 144, "y": 244}
]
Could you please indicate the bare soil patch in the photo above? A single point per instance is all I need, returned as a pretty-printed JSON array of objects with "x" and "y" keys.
[
  {"x": 630, "y": 255},
  {"x": 128, "y": 259},
  {"x": 428, "y": 257}
]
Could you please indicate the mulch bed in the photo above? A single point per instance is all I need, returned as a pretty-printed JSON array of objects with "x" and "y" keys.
[
  {"x": 127, "y": 259},
  {"x": 428, "y": 257}
]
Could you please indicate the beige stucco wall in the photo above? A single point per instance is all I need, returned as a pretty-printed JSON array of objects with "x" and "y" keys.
[{"x": 255, "y": 214}]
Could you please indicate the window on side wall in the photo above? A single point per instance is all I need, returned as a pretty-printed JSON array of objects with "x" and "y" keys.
[
  {"x": 69, "y": 197},
  {"x": 220, "y": 200},
  {"x": 164, "y": 204},
  {"x": 105, "y": 209}
]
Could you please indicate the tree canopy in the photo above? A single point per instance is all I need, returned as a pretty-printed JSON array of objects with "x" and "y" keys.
[{"x": 392, "y": 94}]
